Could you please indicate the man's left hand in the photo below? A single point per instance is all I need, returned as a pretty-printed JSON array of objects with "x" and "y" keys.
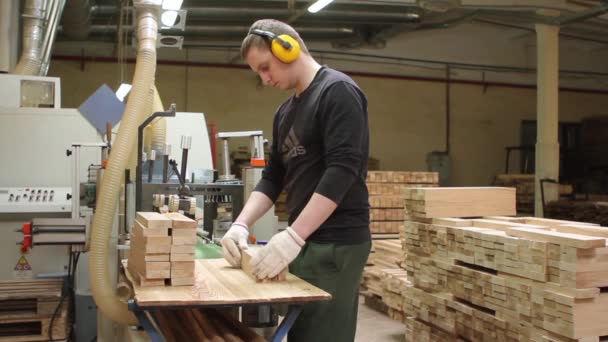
[{"x": 277, "y": 254}]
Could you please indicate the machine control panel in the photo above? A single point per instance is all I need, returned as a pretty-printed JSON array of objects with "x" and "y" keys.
[{"x": 35, "y": 200}]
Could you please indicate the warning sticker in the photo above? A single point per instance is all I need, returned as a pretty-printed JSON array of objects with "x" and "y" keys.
[
  {"x": 23, "y": 269},
  {"x": 23, "y": 265}
]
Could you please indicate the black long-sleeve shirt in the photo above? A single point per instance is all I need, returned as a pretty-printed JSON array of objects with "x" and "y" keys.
[{"x": 321, "y": 144}]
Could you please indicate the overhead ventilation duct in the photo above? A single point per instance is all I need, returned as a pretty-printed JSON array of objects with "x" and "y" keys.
[
  {"x": 40, "y": 20},
  {"x": 33, "y": 33},
  {"x": 76, "y": 21}
]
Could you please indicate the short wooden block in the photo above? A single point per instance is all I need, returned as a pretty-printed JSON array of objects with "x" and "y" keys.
[
  {"x": 182, "y": 265},
  {"x": 157, "y": 257},
  {"x": 180, "y": 221},
  {"x": 153, "y": 220},
  {"x": 246, "y": 256},
  {"x": 186, "y": 281},
  {"x": 182, "y": 256},
  {"x": 183, "y": 249},
  {"x": 183, "y": 240},
  {"x": 145, "y": 231},
  {"x": 184, "y": 233},
  {"x": 185, "y": 273}
]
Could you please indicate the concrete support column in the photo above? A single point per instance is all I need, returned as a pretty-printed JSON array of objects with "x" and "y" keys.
[{"x": 547, "y": 145}]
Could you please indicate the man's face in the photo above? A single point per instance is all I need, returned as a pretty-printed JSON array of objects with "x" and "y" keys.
[{"x": 272, "y": 71}]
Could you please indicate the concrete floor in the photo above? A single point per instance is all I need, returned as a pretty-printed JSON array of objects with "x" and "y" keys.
[{"x": 374, "y": 326}]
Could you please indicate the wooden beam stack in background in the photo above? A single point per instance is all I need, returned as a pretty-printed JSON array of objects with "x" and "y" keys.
[
  {"x": 162, "y": 248},
  {"x": 499, "y": 278},
  {"x": 386, "y": 196}
]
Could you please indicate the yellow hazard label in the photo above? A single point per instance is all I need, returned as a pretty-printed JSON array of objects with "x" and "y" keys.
[{"x": 23, "y": 265}]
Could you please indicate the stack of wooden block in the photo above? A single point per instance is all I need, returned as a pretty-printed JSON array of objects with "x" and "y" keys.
[
  {"x": 386, "y": 196},
  {"x": 183, "y": 245},
  {"x": 500, "y": 278},
  {"x": 162, "y": 248}
]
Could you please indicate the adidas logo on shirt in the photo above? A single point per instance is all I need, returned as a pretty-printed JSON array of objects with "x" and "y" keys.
[{"x": 291, "y": 146}]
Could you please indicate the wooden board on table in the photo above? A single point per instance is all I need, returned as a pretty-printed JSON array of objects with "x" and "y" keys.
[
  {"x": 217, "y": 283},
  {"x": 460, "y": 201}
]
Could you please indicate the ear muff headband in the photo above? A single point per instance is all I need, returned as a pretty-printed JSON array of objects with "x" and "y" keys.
[{"x": 283, "y": 47}]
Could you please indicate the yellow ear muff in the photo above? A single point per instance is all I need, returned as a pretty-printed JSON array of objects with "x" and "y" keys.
[{"x": 283, "y": 54}]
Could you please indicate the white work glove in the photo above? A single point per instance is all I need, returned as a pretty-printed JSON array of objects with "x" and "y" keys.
[
  {"x": 233, "y": 241},
  {"x": 277, "y": 254}
]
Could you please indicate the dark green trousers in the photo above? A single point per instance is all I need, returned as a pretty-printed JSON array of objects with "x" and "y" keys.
[{"x": 336, "y": 269}]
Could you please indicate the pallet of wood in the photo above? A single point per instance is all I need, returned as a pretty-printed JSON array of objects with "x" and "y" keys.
[
  {"x": 162, "y": 249},
  {"x": 386, "y": 196},
  {"x": 27, "y": 308},
  {"x": 505, "y": 278}
]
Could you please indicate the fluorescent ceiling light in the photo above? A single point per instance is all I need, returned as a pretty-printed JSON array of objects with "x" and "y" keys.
[
  {"x": 122, "y": 91},
  {"x": 317, "y": 6},
  {"x": 168, "y": 18},
  {"x": 172, "y": 4}
]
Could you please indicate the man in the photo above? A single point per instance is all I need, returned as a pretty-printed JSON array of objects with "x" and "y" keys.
[{"x": 320, "y": 146}]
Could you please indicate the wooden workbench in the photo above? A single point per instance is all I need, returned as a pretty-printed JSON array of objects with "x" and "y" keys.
[{"x": 219, "y": 284}]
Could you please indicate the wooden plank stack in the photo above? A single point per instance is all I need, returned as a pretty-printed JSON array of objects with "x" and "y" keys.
[
  {"x": 525, "y": 188},
  {"x": 386, "y": 196},
  {"x": 27, "y": 308},
  {"x": 162, "y": 249},
  {"x": 501, "y": 278}
]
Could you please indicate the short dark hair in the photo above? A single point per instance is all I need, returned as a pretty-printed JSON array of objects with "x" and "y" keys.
[{"x": 271, "y": 25}]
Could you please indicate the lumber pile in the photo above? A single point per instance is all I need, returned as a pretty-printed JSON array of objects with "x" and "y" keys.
[
  {"x": 162, "y": 249},
  {"x": 386, "y": 253},
  {"x": 386, "y": 196},
  {"x": 500, "y": 278},
  {"x": 524, "y": 186},
  {"x": 383, "y": 280},
  {"x": 27, "y": 308},
  {"x": 585, "y": 211},
  {"x": 205, "y": 325}
]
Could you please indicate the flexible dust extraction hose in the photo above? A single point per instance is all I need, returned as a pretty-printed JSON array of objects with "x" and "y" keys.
[
  {"x": 103, "y": 291},
  {"x": 159, "y": 126}
]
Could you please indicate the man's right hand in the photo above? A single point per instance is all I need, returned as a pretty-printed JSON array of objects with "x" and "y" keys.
[{"x": 233, "y": 242}]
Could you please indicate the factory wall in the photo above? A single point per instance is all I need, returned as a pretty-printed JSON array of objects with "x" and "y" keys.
[{"x": 407, "y": 117}]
